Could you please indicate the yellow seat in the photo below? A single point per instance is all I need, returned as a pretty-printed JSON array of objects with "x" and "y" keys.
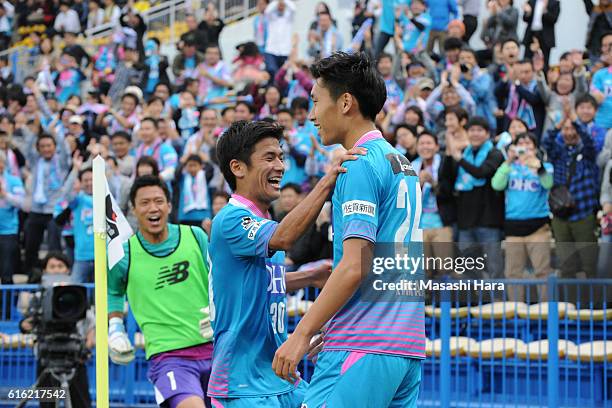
[
  {"x": 538, "y": 350},
  {"x": 454, "y": 312},
  {"x": 459, "y": 346},
  {"x": 497, "y": 310},
  {"x": 496, "y": 348},
  {"x": 590, "y": 314},
  {"x": 596, "y": 351},
  {"x": 539, "y": 311}
]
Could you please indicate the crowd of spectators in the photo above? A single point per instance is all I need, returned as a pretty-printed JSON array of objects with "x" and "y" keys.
[{"x": 508, "y": 144}]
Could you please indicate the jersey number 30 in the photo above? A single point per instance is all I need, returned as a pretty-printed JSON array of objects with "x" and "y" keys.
[{"x": 277, "y": 313}]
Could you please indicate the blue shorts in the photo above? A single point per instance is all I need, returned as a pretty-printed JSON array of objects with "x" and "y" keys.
[
  {"x": 291, "y": 399},
  {"x": 176, "y": 379},
  {"x": 350, "y": 379}
]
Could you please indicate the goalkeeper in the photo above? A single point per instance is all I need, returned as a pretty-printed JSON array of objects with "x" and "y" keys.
[{"x": 164, "y": 274}]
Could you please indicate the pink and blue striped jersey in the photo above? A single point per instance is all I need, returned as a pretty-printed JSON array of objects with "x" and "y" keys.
[
  {"x": 247, "y": 303},
  {"x": 378, "y": 199}
]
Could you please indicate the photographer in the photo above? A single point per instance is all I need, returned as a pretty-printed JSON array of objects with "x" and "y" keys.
[
  {"x": 56, "y": 269},
  {"x": 526, "y": 179}
]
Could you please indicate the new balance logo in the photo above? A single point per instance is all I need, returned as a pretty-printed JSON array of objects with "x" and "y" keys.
[{"x": 171, "y": 275}]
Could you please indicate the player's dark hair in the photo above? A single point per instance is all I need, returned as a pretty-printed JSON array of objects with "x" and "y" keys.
[
  {"x": 292, "y": 186},
  {"x": 148, "y": 181},
  {"x": 478, "y": 121},
  {"x": 60, "y": 256},
  {"x": 300, "y": 103},
  {"x": 354, "y": 74},
  {"x": 238, "y": 143}
]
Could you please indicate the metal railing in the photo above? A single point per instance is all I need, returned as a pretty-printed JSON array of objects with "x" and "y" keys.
[{"x": 545, "y": 354}]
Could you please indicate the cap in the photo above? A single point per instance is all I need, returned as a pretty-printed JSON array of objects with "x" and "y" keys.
[
  {"x": 75, "y": 119},
  {"x": 425, "y": 83},
  {"x": 134, "y": 90}
]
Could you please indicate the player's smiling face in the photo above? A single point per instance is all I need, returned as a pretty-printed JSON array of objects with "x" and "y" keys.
[
  {"x": 266, "y": 170},
  {"x": 325, "y": 113},
  {"x": 151, "y": 208}
]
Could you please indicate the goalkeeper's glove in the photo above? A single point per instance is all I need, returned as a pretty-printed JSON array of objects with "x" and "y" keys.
[
  {"x": 205, "y": 326},
  {"x": 120, "y": 349}
]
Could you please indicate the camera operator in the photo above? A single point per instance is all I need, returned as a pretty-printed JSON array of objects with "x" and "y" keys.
[{"x": 56, "y": 268}]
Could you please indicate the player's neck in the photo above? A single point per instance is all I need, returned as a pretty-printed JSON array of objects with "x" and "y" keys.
[
  {"x": 356, "y": 132},
  {"x": 155, "y": 238}
]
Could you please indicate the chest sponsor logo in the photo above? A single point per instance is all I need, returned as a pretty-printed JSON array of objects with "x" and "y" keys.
[
  {"x": 359, "y": 207},
  {"x": 173, "y": 274},
  {"x": 276, "y": 283}
]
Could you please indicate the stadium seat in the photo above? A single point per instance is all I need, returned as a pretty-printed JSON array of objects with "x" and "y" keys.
[
  {"x": 538, "y": 350},
  {"x": 459, "y": 346},
  {"x": 497, "y": 310},
  {"x": 496, "y": 348},
  {"x": 455, "y": 311},
  {"x": 539, "y": 311},
  {"x": 590, "y": 314},
  {"x": 595, "y": 351}
]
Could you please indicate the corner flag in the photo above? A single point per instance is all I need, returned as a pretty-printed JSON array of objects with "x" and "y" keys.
[{"x": 110, "y": 229}]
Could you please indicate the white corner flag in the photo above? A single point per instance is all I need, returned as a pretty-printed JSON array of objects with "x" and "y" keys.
[
  {"x": 111, "y": 229},
  {"x": 118, "y": 230}
]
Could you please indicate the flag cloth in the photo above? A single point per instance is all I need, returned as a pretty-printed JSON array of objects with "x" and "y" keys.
[{"x": 118, "y": 230}]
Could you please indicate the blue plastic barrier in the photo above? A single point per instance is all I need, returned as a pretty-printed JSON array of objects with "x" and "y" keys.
[{"x": 447, "y": 380}]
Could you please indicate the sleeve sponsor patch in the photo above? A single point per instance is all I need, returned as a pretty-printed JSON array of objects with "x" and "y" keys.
[
  {"x": 359, "y": 207},
  {"x": 252, "y": 226}
]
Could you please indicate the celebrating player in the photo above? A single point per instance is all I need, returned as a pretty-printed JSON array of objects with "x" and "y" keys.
[
  {"x": 372, "y": 350},
  {"x": 248, "y": 283},
  {"x": 164, "y": 274}
]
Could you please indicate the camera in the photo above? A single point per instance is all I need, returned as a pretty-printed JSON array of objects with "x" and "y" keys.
[{"x": 54, "y": 317}]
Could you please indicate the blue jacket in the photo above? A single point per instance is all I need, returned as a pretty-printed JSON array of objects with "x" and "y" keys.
[
  {"x": 442, "y": 12},
  {"x": 481, "y": 88}
]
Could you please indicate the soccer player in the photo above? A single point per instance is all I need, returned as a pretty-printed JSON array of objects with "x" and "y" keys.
[
  {"x": 164, "y": 274},
  {"x": 372, "y": 350},
  {"x": 248, "y": 284}
]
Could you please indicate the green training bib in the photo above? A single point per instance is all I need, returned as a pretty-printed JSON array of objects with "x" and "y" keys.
[{"x": 166, "y": 293}]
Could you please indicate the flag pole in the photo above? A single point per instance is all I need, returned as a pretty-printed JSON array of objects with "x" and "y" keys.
[{"x": 99, "y": 224}]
